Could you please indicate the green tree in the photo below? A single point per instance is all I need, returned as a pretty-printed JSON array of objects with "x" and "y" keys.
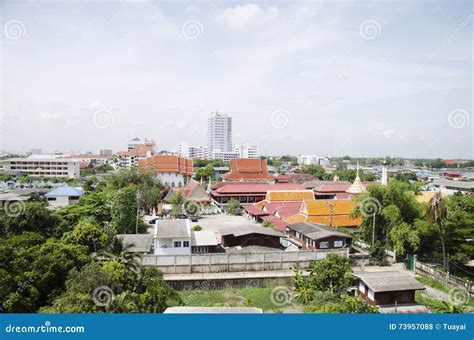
[
  {"x": 117, "y": 251},
  {"x": 333, "y": 274},
  {"x": 87, "y": 233},
  {"x": 177, "y": 201},
  {"x": 233, "y": 207},
  {"x": 124, "y": 212}
]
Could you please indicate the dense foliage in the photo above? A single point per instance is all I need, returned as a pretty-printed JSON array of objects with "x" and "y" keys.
[{"x": 69, "y": 260}]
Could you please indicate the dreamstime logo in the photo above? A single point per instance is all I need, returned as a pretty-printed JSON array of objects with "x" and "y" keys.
[
  {"x": 14, "y": 209},
  {"x": 280, "y": 118},
  {"x": 459, "y": 118},
  {"x": 281, "y": 296},
  {"x": 192, "y": 208},
  {"x": 103, "y": 118},
  {"x": 459, "y": 296},
  {"x": 14, "y": 29},
  {"x": 370, "y": 207},
  {"x": 370, "y": 29},
  {"x": 102, "y": 295},
  {"x": 192, "y": 29}
]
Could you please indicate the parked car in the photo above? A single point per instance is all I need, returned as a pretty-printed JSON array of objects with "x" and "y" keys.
[{"x": 194, "y": 218}]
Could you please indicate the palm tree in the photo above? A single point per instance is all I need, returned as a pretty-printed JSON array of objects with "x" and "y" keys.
[
  {"x": 436, "y": 212},
  {"x": 117, "y": 251}
]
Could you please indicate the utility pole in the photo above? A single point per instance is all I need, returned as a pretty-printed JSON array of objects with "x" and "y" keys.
[
  {"x": 373, "y": 229},
  {"x": 136, "y": 221},
  {"x": 331, "y": 207}
]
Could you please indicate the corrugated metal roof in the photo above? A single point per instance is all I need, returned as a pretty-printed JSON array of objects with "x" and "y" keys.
[
  {"x": 65, "y": 191},
  {"x": 389, "y": 281},
  {"x": 172, "y": 229},
  {"x": 316, "y": 231}
]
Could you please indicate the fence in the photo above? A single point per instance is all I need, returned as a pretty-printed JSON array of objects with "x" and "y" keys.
[
  {"x": 427, "y": 270},
  {"x": 231, "y": 262}
]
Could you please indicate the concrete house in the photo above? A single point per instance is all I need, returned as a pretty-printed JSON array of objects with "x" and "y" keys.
[
  {"x": 387, "y": 287},
  {"x": 63, "y": 196},
  {"x": 172, "y": 237},
  {"x": 175, "y": 237}
]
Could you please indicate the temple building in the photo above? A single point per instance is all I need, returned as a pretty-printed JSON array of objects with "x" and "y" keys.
[{"x": 249, "y": 170}]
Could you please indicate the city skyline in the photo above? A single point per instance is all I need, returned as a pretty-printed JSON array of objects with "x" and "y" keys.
[{"x": 372, "y": 79}]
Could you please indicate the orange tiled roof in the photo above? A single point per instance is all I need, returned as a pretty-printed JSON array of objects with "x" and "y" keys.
[
  {"x": 166, "y": 163},
  {"x": 247, "y": 169},
  {"x": 294, "y": 195},
  {"x": 322, "y": 207},
  {"x": 318, "y": 211}
]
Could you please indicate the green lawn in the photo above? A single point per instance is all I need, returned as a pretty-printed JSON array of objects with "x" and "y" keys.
[{"x": 248, "y": 297}]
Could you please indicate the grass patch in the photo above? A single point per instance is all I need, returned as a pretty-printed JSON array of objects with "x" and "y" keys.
[
  {"x": 248, "y": 297},
  {"x": 427, "y": 281}
]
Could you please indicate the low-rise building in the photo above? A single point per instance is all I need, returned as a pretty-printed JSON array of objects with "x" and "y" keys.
[
  {"x": 63, "y": 196},
  {"x": 450, "y": 187},
  {"x": 137, "y": 150},
  {"x": 387, "y": 287},
  {"x": 334, "y": 213},
  {"x": 43, "y": 167},
  {"x": 312, "y": 236},
  {"x": 172, "y": 237},
  {"x": 248, "y": 169},
  {"x": 175, "y": 237},
  {"x": 251, "y": 235},
  {"x": 246, "y": 192},
  {"x": 170, "y": 169}
]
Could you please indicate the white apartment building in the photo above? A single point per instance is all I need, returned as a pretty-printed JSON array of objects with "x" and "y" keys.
[
  {"x": 219, "y": 133},
  {"x": 247, "y": 150},
  {"x": 194, "y": 152},
  {"x": 44, "y": 167},
  {"x": 226, "y": 156},
  {"x": 312, "y": 160}
]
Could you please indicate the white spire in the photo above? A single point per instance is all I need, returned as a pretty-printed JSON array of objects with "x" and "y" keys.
[
  {"x": 384, "y": 174},
  {"x": 357, "y": 187}
]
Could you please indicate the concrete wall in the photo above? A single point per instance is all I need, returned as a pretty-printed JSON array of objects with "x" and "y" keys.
[{"x": 227, "y": 262}]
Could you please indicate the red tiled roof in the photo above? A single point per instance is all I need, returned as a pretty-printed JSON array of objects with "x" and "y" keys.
[
  {"x": 284, "y": 206},
  {"x": 221, "y": 184},
  {"x": 253, "y": 210},
  {"x": 239, "y": 188},
  {"x": 281, "y": 178},
  {"x": 277, "y": 222}
]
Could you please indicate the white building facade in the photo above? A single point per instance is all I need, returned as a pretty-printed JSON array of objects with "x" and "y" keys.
[
  {"x": 219, "y": 133},
  {"x": 44, "y": 167},
  {"x": 247, "y": 150},
  {"x": 312, "y": 160}
]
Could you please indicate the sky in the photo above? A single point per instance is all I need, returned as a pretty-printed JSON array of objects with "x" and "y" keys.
[{"x": 359, "y": 78}]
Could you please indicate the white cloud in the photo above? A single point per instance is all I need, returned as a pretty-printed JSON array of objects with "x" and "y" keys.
[{"x": 248, "y": 15}]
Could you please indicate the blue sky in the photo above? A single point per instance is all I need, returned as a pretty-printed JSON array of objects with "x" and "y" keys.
[{"x": 368, "y": 78}]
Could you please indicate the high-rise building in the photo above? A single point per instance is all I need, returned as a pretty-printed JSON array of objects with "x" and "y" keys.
[{"x": 219, "y": 133}]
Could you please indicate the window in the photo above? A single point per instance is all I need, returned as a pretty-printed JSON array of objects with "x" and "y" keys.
[
  {"x": 370, "y": 295},
  {"x": 185, "y": 244},
  {"x": 362, "y": 287},
  {"x": 177, "y": 244},
  {"x": 337, "y": 244},
  {"x": 324, "y": 244}
]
